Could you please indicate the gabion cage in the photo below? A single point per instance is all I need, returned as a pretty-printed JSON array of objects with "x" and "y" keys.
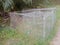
[{"x": 36, "y": 23}]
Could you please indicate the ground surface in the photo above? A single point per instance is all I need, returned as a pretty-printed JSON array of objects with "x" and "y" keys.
[{"x": 56, "y": 39}]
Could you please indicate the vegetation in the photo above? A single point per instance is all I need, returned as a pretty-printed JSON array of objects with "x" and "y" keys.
[
  {"x": 13, "y": 37},
  {"x": 9, "y": 5}
]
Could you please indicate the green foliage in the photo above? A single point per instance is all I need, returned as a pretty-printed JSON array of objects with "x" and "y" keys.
[
  {"x": 19, "y": 5},
  {"x": 6, "y": 5},
  {"x": 42, "y": 3},
  {"x": 6, "y": 33},
  {"x": 19, "y": 38}
]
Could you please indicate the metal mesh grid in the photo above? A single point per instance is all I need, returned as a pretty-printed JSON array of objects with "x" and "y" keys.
[{"x": 36, "y": 23}]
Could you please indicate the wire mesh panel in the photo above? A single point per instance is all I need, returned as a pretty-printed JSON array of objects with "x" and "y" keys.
[{"x": 35, "y": 23}]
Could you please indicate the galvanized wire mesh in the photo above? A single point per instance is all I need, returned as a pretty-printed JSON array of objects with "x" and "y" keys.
[{"x": 36, "y": 23}]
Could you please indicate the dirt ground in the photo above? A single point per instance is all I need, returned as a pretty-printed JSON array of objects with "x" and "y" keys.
[{"x": 56, "y": 39}]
